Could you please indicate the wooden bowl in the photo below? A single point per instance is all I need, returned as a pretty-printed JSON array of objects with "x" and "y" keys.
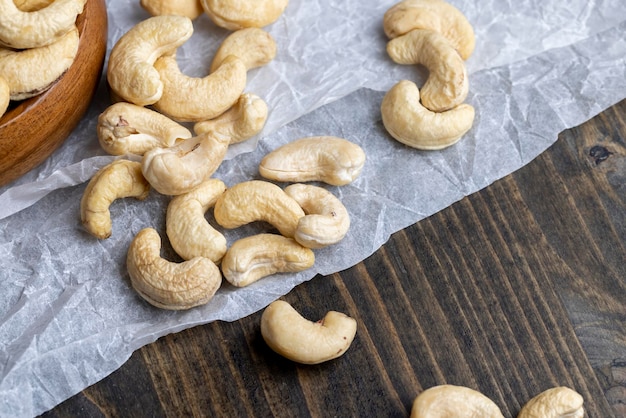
[{"x": 32, "y": 129}]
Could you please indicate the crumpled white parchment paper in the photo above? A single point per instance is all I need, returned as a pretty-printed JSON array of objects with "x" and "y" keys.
[{"x": 68, "y": 316}]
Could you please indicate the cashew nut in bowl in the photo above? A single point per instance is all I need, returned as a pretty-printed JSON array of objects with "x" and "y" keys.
[
  {"x": 119, "y": 179},
  {"x": 435, "y": 15},
  {"x": 252, "y": 258},
  {"x": 31, "y": 5},
  {"x": 5, "y": 96},
  {"x": 296, "y": 338},
  {"x": 22, "y": 69},
  {"x": 329, "y": 159},
  {"x": 178, "y": 169},
  {"x": 453, "y": 401},
  {"x": 326, "y": 221},
  {"x": 165, "y": 284},
  {"x": 258, "y": 200},
  {"x": 239, "y": 14},
  {"x": 412, "y": 124},
  {"x": 188, "y": 230},
  {"x": 557, "y": 402},
  {"x": 125, "y": 128},
  {"x": 188, "y": 8},
  {"x": 245, "y": 119},
  {"x": 131, "y": 73},
  {"x": 192, "y": 99},
  {"x": 254, "y": 46},
  {"x": 25, "y": 29},
  {"x": 447, "y": 84}
]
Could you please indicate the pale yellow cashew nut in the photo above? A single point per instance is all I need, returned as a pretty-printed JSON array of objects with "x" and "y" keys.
[
  {"x": 239, "y": 14},
  {"x": 447, "y": 401},
  {"x": 165, "y": 284},
  {"x": 188, "y": 8},
  {"x": 32, "y": 5},
  {"x": 257, "y": 256},
  {"x": 254, "y": 46},
  {"x": 412, "y": 124},
  {"x": 119, "y": 179},
  {"x": 5, "y": 96},
  {"x": 188, "y": 230},
  {"x": 558, "y": 402},
  {"x": 296, "y": 338}
]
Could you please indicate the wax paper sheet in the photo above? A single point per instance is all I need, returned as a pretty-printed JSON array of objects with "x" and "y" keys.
[{"x": 68, "y": 315}]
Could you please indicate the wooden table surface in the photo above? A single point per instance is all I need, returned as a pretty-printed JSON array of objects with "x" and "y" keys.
[{"x": 515, "y": 289}]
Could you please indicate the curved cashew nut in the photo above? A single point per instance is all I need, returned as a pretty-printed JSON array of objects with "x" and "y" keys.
[
  {"x": 125, "y": 128},
  {"x": 453, "y": 401},
  {"x": 333, "y": 160},
  {"x": 178, "y": 169},
  {"x": 245, "y": 119},
  {"x": 558, "y": 402},
  {"x": 447, "y": 84},
  {"x": 188, "y": 230},
  {"x": 22, "y": 69},
  {"x": 192, "y": 99},
  {"x": 435, "y": 15},
  {"x": 20, "y": 29},
  {"x": 257, "y": 200},
  {"x": 188, "y": 8},
  {"x": 412, "y": 124},
  {"x": 32, "y": 5},
  {"x": 121, "y": 178},
  {"x": 294, "y": 337},
  {"x": 252, "y": 258},
  {"x": 165, "y": 284},
  {"x": 326, "y": 221},
  {"x": 5, "y": 96},
  {"x": 239, "y": 14},
  {"x": 130, "y": 73},
  {"x": 254, "y": 46}
]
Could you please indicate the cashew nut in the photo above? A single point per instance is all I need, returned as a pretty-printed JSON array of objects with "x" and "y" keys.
[
  {"x": 125, "y": 128},
  {"x": 239, "y": 14},
  {"x": 165, "y": 284},
  {"x": 178, "y": 169},
  {"x": 294, "y": 337},
  {"x": 20, "y": 29},
  {"x": 254, "y": 46},
  {"x": 188, "y": 8},
  {"x": 558, "y": 402},
  {"x": 245, "y": 119},
  {"x": 131, "y": 73},
  {"x": 435, "y": 15},
  {"x": 32, "y": 71},
  {"x": 453, "y": 401},
  {"x": 192, "y": 99},
  {"x": 258, "y": 200},
  {"x": 333, "y": 160},
  {"x": 326, "y": 221},
  {"x": 188, "y": 230},
  {"x": 119, "y": 179},
  {"x": 5, "y": 96},
  {"x": 31, "y": 5},
  {"x": 447, "y": 84},
  {"x": 252, "y": 258},
  {"x": 412, "y": 124}
]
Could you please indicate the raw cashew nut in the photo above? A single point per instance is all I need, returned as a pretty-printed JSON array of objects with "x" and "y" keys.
[
  {"x": 30, "y": 72},
  {"x": 558, "y": 402},
  {"x": 21, "y": 29},
  {"x": 130, "y": 73},
  {"x": 326, "y": 221},
  {"x": 252, "y": 258},
  {"x": 192, "y": 99},
  {"x": 178, "y": 169},
  {"x": 5, "y": 96},
  {"x": 165, "y": 284},
  {"x": 121, "y": 178},
  {"x": 453, "y": 401},
  {"x": 435, "y": 15},
  {"x": 245, "y": 119},
  {"x": 257, "y": 200},
  {"x": 333, "y": 160},
  {"x": 32, "y": 5},
  {"x": 294, "y": 337},
  {"x": 447, "y": 84},
  {"x": 412, "y": 124},
  {"x": 239, "y": 14},
  {"x": 125, "y": 128},
  {"x": 188, "y": 230},
  {"x": 188, "y": 8},
  {"x": 254, "y": 46}
]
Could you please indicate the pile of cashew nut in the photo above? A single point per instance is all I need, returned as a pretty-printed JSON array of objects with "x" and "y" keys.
[
  {"x": 38, "y": 44},
  {"x": 435, "y": 34}
]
